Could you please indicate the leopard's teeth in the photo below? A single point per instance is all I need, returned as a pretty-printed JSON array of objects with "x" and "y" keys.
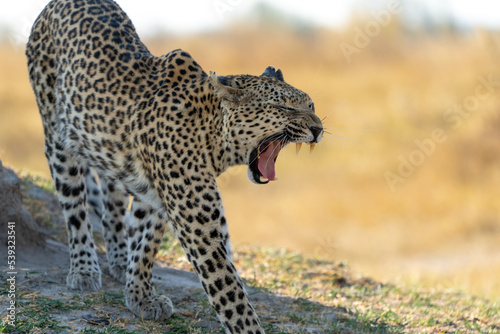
[
  {"x": 263, "y": 179},
  {"x": 298, "y": 147},
  {"x": 311, "y": 148},
  {"x": 275, "y": 179}
]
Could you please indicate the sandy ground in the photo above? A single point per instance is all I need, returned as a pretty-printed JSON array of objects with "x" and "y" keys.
[{"x": 42, "y": 272}]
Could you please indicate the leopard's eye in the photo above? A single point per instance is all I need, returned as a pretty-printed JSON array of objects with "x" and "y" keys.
[{"x": 311, "y": 105}]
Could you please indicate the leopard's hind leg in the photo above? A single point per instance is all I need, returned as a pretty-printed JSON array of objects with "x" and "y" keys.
[
  {"x": 69, "y": 178},
  {"x": 114, "y": 224},
  {"x": 110, "y": 204}
]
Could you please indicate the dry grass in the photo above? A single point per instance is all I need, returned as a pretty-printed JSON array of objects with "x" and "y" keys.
[
  {"x": 439, "y": 227},
  {"x": 291, "y": 292}
]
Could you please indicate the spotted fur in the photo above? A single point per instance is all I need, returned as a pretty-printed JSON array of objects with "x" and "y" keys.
[{"x": 158, "y": 129}]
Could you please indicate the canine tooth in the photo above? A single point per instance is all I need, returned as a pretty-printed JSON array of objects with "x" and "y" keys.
[
  {"x": 311, "y": 148},
  {"x": 298, "y": 147},
  {"x": 263, "y": 179},
  {"x": 275, "y": 179}
]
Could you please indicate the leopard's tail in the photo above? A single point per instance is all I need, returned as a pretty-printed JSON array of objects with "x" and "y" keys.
[{"x": 42, "y": 63}]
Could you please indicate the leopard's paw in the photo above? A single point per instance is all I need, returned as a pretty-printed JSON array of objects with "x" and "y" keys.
[{"x": 156, "y": 308}]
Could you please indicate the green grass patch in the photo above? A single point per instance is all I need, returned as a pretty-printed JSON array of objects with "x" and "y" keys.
[{"x": 314, "y": 295}]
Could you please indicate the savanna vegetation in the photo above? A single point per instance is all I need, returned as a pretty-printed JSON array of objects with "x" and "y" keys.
[{"x": 405, "y": 184}]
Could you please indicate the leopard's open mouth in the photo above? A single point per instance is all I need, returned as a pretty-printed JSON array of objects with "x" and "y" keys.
[
  {"x": 261, "y": 168},
  {"x": 263, "y": 158}
]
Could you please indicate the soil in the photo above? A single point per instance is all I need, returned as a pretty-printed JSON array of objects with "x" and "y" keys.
[{"x": 42, "y": 268}]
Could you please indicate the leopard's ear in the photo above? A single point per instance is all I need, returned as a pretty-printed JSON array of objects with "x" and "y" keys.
[
  {"x": 272, "y": 72},
  {"x": 225, "y": 91}
]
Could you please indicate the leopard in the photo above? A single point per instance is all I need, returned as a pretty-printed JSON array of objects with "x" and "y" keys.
[{"x": 122, "y": 124}]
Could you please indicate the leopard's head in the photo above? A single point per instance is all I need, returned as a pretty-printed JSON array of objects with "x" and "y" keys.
[{"x": 261, "y": 115}]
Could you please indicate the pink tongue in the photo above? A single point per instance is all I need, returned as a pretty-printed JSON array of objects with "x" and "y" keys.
[{"x": 266, "y": 160}]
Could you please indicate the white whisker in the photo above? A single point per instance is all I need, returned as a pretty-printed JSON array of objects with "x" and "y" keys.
[
  {"x": 346, "y": 140},
  {"x": 282, "y": 144},
  {"x": 342, "y": 120},
  {"x": 277, "y": 136},
  {"x": 340, "y": 105},
  {"x": 279, "y": 146},
  {"x": 340, "y": 137},
  {"x": 346, "y": 129},
  {"x": 331, "y": 142},
  {"x": 314, "y": 78}
]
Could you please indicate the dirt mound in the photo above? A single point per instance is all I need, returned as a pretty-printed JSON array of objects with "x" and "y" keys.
[{"x": 13, "y": 216}]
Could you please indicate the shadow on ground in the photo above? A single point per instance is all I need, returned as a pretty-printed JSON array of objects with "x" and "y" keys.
[{"x": 44, "y": 304}]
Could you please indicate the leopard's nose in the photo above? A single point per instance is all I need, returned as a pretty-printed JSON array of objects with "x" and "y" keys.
[{"x": 316, "y": 132}]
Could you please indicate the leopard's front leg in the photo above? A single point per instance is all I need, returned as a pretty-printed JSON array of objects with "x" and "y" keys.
[
  {"x": 199, "y": 224},
  {"x": 147, "y": 225}
]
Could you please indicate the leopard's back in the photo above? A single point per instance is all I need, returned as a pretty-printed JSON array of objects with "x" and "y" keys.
[{"x": 81, "y": 56}]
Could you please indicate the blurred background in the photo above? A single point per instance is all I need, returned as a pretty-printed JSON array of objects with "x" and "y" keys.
[{"x": 405, "y": 184}]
